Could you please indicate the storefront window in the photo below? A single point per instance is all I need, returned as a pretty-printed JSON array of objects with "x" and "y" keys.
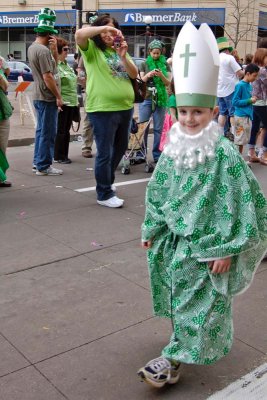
[
  {"x": 17, "y": 35},
  {"x": 30, "y": 35},
  {"x": 4, "y": 50},
  {"x": 3, "y": 35}
]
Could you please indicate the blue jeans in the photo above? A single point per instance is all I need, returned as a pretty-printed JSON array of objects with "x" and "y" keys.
[
  {"x": 145, "y": 112},
  {"x": 225, "y": 105},
  {"x": 259, "y": 115},
  {"x": 111, "y": 132},
  {"x": 45, "y": 133}
]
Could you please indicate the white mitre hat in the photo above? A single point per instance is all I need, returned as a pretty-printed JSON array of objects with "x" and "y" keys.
[{"x": 195, "y": 67}]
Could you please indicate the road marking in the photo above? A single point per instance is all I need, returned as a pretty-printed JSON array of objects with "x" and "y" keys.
[
  {"x": 89, "y": 189},
  {"x": 251, "y": 386}
]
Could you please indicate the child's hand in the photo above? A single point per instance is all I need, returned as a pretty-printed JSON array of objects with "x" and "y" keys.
[
  {"x": 253, "y": 99},
  {"x": 220, "y": 266},
  {"x": 147, "y": 244}
]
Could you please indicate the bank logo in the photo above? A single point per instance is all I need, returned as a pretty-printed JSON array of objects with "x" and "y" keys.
[{"x": 129, "y": 18}]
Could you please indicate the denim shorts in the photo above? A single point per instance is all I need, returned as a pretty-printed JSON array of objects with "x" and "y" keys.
[{"x": 225, "y": 105}]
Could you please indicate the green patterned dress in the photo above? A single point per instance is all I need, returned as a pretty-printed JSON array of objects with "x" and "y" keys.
[
  {"x": 212, "y": 211},
  {"x": 3, "y": 166}
]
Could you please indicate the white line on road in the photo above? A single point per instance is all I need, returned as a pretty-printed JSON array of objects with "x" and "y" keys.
[
  {"x": 89, "y": 189},
  {"x": 252, "y": 386}
]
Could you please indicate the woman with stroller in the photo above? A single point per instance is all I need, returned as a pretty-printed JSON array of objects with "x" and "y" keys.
[{"x": 156, "y": 73}]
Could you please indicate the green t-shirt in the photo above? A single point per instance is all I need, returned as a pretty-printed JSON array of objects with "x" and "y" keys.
[
  {"x": 108, "y": 87},
  {"x": 68, "y": 81}
]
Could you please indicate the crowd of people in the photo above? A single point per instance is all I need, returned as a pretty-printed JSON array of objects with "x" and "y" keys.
[{"x": 205, "y": 227}]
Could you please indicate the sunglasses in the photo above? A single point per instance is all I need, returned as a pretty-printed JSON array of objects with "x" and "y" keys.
[{"x": 65, "y": 48}]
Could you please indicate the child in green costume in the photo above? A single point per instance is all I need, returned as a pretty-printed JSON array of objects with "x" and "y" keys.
[
  {"x": 5, "y": 113},
  {"x": 205, "y": 225}
]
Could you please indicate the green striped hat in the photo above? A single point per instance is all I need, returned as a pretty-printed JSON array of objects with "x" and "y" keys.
[
  {"x": 46, "y": 18},
  {"x": 223, "y": 44}
]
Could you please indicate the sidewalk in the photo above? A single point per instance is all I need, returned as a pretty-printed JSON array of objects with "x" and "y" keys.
[
  {"x": 23, "y": 135},
  {"x": 75, "y": 310}
]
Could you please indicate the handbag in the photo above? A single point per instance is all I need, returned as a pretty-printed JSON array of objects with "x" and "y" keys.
[
  {"x": 76, "y": 117},
  {"x": 5, "y": 105},
  {"x": 139, "y": 87}
]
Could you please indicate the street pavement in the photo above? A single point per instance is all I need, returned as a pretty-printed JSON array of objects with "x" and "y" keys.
[{"x": 76, "y": 319}]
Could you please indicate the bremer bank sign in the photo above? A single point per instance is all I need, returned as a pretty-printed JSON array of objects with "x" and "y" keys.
[
  {"x": 170, "y": 16},
  {"x": 30, "y": 19},
  {"x": 7, "y": 20}
]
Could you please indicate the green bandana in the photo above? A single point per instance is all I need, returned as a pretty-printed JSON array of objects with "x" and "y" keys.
[
  {"x": 155, "y": 44},
  {"x": 160, "y": 63}
]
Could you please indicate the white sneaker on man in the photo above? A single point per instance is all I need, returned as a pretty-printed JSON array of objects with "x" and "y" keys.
[
  {"x": 113, "y": 187},
  {"x": 113, "y": 202},
  {"x": 50, "y": 171}
]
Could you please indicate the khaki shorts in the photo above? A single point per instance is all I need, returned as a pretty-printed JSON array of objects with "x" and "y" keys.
[{"x": 242, "y": 130}]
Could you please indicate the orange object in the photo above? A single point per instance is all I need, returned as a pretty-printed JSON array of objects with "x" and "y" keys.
[{"x": 22, "y": 87}]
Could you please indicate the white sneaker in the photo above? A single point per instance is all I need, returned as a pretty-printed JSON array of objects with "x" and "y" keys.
[
  {"x": 50, "y": 171},
  {"x": 113, "y": 202},
  {"x": 113, "y": 187},
  {"x": 160, "y": 371}
]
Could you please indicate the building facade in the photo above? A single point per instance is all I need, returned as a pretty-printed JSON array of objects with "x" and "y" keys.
[{"x": 243, "y": 21}]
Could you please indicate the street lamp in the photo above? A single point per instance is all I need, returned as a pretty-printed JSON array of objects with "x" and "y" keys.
[{"x": 147, "y": 20}]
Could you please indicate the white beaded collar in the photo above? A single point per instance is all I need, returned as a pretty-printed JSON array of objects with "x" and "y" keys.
[{"x": 189, "y": 150}]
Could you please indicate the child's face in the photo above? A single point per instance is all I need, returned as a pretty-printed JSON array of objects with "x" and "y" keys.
[
  {"x": 252, "y": 77},
  {"x": 194, "y": 119}
]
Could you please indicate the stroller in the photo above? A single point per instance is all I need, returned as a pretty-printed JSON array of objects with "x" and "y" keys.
[{"x": 137, "y": 152}]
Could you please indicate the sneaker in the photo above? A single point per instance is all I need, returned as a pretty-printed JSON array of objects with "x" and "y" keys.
[
  {"x": 66, "y": 161},
  {"x": 50, "y": 171},
  {"x": 160, "y": 371},
  {"x": 34, "y": 169},
  {"x": 113, "y": 202},
  {"x": 5, "y": 184},
  {"x": 113, "y": 187}
]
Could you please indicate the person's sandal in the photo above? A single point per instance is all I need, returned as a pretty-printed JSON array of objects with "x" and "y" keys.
[
  {"x": 254, "y": 159},
  {"x": 263, "y": 161},
  {"x": 87, "y": 153}
]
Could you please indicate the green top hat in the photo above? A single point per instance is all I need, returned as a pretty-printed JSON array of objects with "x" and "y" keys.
[
  {"x": 223, "y": 44},
  {"x": 46, "y": 18}
]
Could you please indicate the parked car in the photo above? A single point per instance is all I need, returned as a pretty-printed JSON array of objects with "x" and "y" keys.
[
  {"x": 70, "y": 59},
  {"x": 138, "y": 61},
  {"x": 18, "y": 68}
]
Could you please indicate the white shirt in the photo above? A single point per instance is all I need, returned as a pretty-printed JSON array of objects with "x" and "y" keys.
[{"x": 227, "y": 75}]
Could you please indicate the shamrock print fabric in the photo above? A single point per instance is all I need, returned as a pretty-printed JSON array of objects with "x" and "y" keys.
[{"x": 213, "y": 211}]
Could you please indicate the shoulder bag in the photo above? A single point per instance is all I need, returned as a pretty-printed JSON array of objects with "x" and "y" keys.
[{"x": 139, "y": 87}]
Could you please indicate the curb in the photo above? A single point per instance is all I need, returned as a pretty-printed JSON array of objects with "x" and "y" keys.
[{"x": 29, "y": 141}]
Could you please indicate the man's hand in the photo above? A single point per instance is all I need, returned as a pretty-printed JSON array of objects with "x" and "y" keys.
[
  {"x": 59, "y": 103},
  {"x": 220, "y": 266}
]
